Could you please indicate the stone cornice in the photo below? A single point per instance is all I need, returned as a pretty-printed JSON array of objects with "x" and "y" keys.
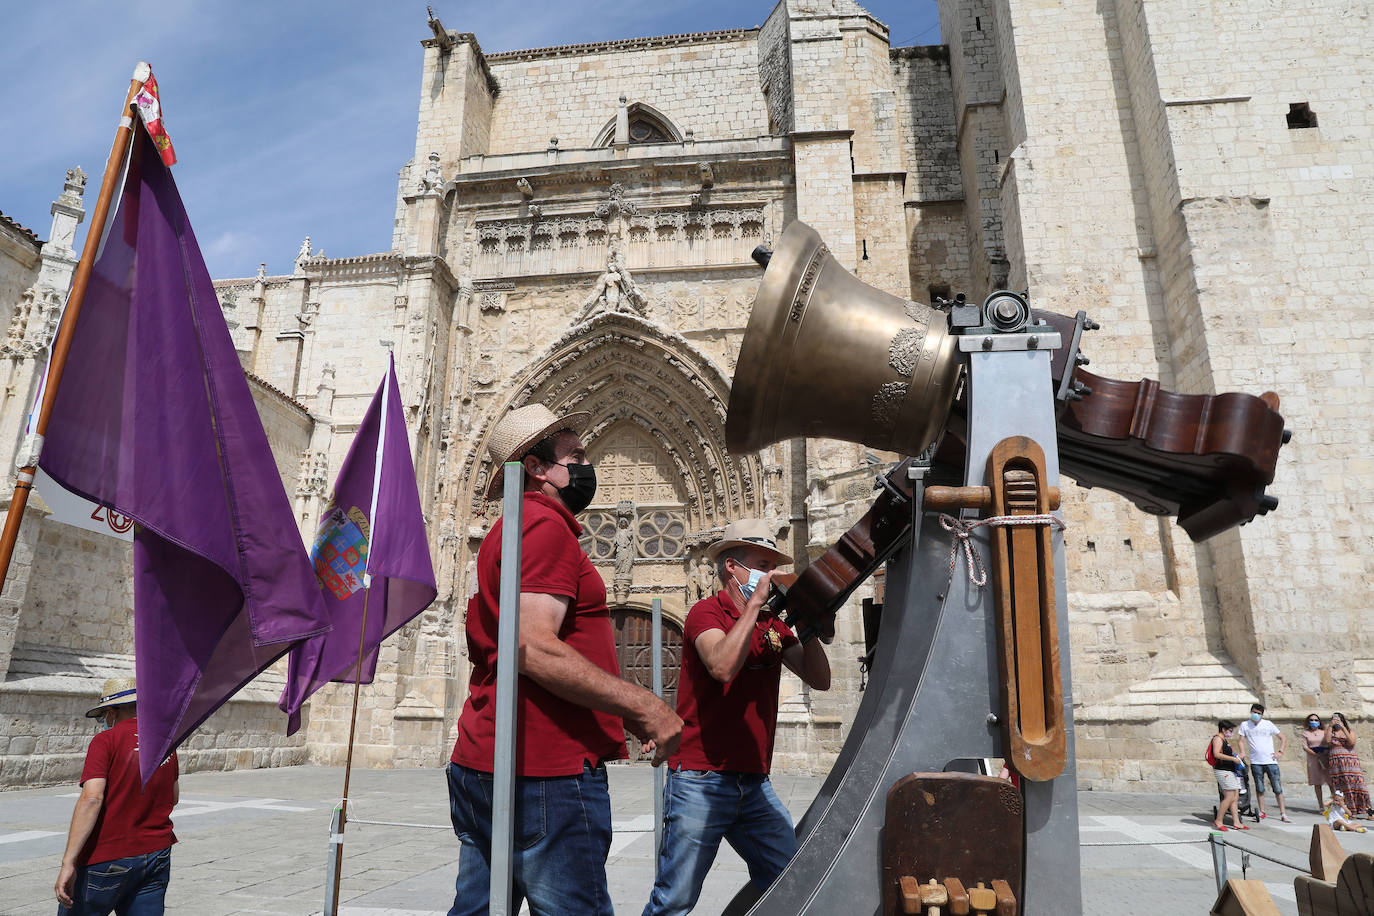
[
  {"x": 436, "y": 266},
  {"x": 623, "y": 44},
  {"x": 586, "y": 170},
  {"x": 833, "y": 134},
  {"x": 276, "y": 393},
  {"x": 20, "y": 231}
]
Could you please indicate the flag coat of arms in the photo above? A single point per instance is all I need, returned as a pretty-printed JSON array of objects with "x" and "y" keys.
[
  {"x": 371, "y": 531},
  {"x": 154, "y": 419}
]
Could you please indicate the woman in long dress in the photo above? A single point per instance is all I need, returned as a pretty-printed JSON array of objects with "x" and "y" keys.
[
  {"x": 1343, "y": 770},
  {"x": 1314, "y": 749}
]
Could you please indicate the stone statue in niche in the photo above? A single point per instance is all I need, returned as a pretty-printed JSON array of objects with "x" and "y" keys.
[
  {"x": 706, "y": 578},
  {"x": 624, "y": 550},
  {"x": 616, "y": 291}
]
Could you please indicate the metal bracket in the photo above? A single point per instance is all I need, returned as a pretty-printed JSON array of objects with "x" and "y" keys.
[
  {"x": 1037, "y": 338},
  {"x": 1069, "y": 390}
]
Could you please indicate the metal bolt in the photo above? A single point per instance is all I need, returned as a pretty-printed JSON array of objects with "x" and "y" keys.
[
  {"x": 1006, "y": 310},
  {"x": 987, "y": 343},
  {"x": 992, "y": 718},
  {"x": 1033, "y": 341},
  {"x": 1081, "y": 360}
]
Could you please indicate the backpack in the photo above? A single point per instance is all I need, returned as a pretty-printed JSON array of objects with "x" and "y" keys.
[{"x": 1211, "y": 757}]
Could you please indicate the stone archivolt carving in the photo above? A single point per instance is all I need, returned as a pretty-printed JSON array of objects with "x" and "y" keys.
[
  {"x": 33, "y": 323},
  {"x": 624, "y": 370}
]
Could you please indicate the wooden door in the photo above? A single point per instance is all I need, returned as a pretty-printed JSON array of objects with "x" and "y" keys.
[{"x": 634, "y": 652}]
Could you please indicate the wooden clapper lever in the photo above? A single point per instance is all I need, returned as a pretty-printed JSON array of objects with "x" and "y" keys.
[{"x": 1022, "y": 573}]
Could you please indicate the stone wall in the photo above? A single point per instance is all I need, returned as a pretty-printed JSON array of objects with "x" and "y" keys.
[
  {"x": 19, "y": 259},
  {"x": 707, "y": 83},
  {"x": 1138, "y": 178}
]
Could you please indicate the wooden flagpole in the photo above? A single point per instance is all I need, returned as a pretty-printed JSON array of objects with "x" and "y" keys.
[
  {"x": 348, "y": 760},
  {"x": 94, "y": 233},
  {"x": 332, "y": 897}
]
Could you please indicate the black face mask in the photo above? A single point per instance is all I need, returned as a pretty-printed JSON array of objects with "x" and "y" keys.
[{"x": 581, "y": 488}]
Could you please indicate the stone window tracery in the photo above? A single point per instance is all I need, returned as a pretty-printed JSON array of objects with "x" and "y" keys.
[
  {"x": 598, "y": 535},
  {"x": 644, "y": 129},
  {"x": 661, "y": 533}
]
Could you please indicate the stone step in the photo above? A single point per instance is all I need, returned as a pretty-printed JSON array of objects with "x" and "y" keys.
[
  {"x": 40, "y": 669},
  {"x": 1209, "y": 679}
]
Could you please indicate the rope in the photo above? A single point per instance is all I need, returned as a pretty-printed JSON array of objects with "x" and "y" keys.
[
  {"x": 1301, "y": 868},
  {"x": 977, "y": 573},
  {"x": 356, "y": 820}
]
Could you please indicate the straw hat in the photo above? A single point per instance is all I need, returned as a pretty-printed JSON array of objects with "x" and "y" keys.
[
  {"x": 117, "y": 691},
  {"x": 520, "y": 430},
  {"x": 748, "y": 532}
]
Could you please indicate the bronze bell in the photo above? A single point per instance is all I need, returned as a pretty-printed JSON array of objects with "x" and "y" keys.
[{"x": 828, "y": 356}]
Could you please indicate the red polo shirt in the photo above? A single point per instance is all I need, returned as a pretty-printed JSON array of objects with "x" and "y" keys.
[
  {"x": 556, "y": 737},
  {"x": 134, "y": 819},
  {"x": 729, "y": 726}
]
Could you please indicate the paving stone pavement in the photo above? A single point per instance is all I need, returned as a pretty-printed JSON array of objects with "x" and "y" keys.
[{"x": 254, "y": 842}]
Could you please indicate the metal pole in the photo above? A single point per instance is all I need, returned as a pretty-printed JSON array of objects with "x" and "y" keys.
[
  {"x": 507, "y": 673},
  {"x": 332, "y": 863},
  {"x": 1218, "y": 845},
  {"x": 24, "y": 480},
  {"x": 660, "y": 772}
]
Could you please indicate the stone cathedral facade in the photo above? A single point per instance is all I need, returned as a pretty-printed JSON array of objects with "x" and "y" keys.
[{"x": 575, "y": 228}]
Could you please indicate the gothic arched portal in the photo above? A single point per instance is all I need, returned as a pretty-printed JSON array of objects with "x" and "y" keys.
[{"x": 658, "y": 408}]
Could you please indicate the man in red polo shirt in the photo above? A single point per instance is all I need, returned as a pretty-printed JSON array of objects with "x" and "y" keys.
[
  {"x": 119, "y": 847},
  {"x": 571, "y": 698},
  {"x": 718, "y": 786}
]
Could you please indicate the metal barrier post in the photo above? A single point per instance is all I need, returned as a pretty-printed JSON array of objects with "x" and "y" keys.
[
  {"x": 1218, "y": 859},
  {"x": 660, "y": 772},
  {"x": 331, "y": 868},
  {"x": 507, "y": 673}
]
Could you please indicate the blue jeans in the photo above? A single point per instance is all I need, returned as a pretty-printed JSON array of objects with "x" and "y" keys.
[
  {"x": 1271, "y": 770},
  {"x": 562, "y": 838},
  {"x": 134, "y": 886},
  {"x": 702, "y": 807}
]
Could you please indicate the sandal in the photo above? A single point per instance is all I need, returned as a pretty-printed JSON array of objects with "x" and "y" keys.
[
  {"x": 1240, "y": 827},
  {"x": 1221, "y": 827}
]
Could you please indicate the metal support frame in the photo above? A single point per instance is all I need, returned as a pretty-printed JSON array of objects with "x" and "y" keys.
[
  {"x": 934, "y": 696},
  {"x": 507, "y": 675}
]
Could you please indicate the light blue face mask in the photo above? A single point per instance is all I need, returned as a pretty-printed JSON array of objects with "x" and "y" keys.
[{"x": 747, "y": 589}]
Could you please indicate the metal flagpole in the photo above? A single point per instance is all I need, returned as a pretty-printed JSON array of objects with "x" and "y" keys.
[
  {"x": 24, "y": 479},
  {"x": 336, "y": 832},
  {"x": 507, "y": 674},
  {"x": 660, "y": 772}
]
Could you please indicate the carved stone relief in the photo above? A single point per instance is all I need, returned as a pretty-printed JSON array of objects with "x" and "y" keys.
[
  {"x": 33, "y": 323},
  {"x": 574, "y": 243}
]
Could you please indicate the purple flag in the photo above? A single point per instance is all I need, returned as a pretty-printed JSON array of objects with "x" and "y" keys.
[
  {"x": 372, "y": 530},
  {"x": 154, "y": 419}
]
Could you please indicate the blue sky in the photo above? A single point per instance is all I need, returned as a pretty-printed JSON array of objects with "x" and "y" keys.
[{"x": 289, "y": 118}]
